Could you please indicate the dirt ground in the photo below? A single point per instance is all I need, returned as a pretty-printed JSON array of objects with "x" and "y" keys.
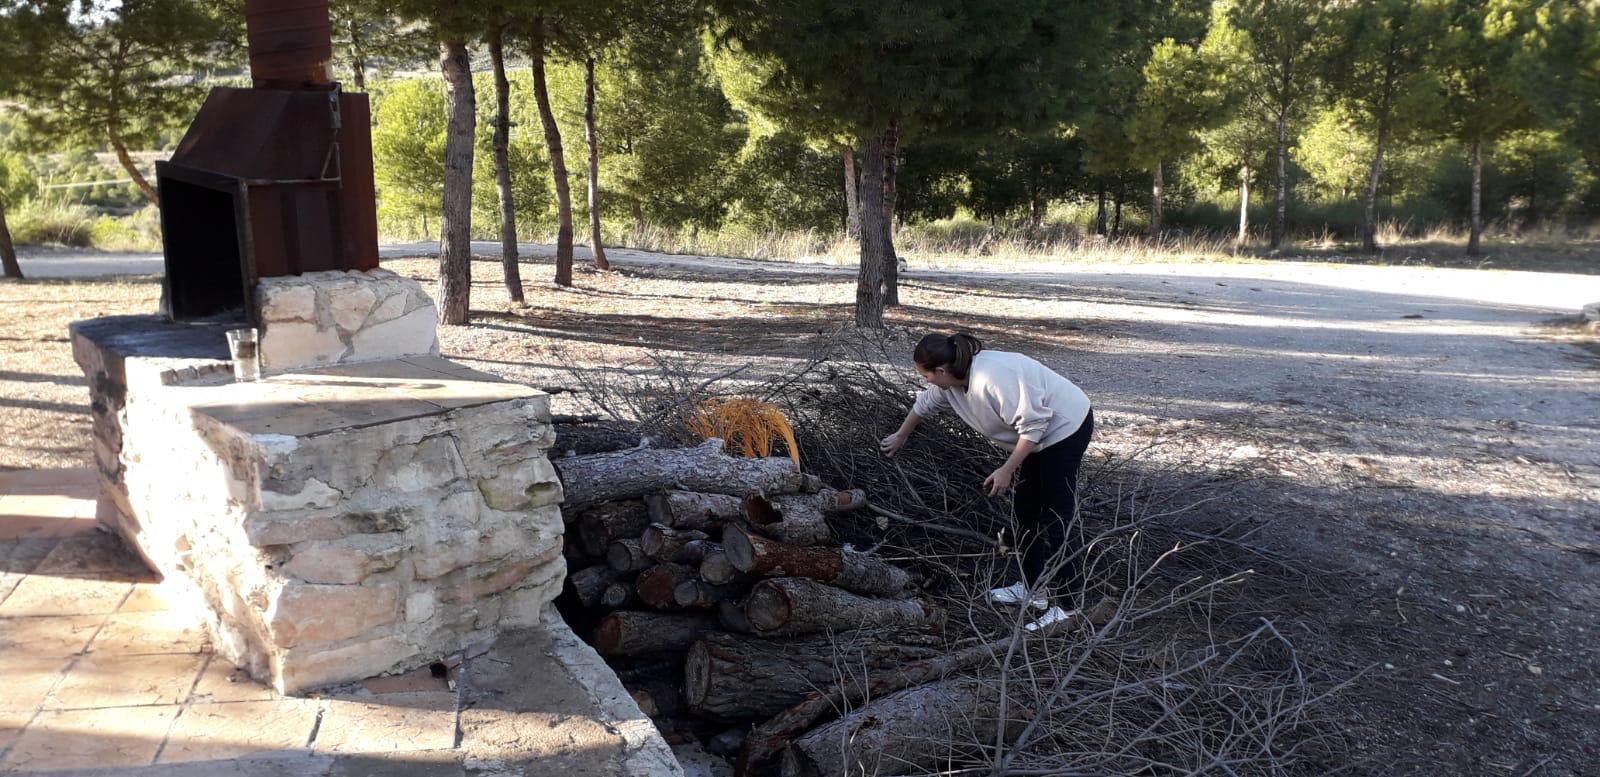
[{"x": 1427, "y": 440}]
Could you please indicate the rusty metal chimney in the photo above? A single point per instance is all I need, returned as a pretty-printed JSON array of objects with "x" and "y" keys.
[
  {"x": 291, "y": 43},
  {"x": 271, "y": 180}
]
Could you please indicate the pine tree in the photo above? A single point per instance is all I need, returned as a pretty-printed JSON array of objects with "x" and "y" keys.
[{"x": 881, "y": 73}]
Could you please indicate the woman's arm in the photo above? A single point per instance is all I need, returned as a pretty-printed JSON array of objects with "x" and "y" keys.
[
  {"x": 892, "y": 444},
  {"x": 999, "y": 482}
]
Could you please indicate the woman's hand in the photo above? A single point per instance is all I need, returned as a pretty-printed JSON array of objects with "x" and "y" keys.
[
  {"x": 1000, "y": 482},
  {"x": 892, "y": 444}
]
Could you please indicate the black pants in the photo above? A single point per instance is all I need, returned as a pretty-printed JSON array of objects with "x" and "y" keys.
[{"x": 1047, "y": 514}]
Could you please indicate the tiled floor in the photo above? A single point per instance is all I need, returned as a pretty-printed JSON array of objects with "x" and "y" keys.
[
  {"x": 99, "y": 670},
  {"x": 103, "y": 672}
]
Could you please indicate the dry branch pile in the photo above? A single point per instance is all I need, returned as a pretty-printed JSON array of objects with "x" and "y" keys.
[{"x": 1176, "y": 674}]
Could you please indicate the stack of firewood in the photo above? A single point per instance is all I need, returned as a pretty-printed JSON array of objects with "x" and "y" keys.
[{"x": 725, "y": 603}]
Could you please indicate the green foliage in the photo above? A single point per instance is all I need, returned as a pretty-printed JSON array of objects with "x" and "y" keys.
[
  {"x": 669, "y": 140},
  {"x": 50, "y": 221},
  {"x": 99, "y": 71},
  {"x": 408, "y": 137},
  {"x": 16, "y": 180},
  {"x": 783, "y": 184},
  {"x": 1335, "y": 150}
]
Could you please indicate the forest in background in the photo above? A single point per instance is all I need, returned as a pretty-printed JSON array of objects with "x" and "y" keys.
[{"x": 1252, "y": 124}]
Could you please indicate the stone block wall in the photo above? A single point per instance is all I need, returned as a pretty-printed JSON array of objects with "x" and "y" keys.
[
  {"x": 334, "y": 317},
  {"x": 327, "y": 552}
]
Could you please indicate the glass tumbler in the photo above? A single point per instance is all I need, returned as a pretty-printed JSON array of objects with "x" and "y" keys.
[{"x": 242, "y": 346}]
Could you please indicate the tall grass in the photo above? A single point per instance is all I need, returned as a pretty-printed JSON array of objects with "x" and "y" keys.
[{"x": 45, "y": 221}]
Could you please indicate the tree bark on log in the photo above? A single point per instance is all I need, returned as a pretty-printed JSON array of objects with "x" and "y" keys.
[
  {"x": 590, "y": 583},
  {"x": 794, "y": 605},
  {"x": 631, "y": 474},
  {"x": 627, "y": 556},
  {"x": 905, "y": 731},
  {"x": 657, "y": 585},
  {"x": 716, "y": 569},
  {"x": 690, "y": 510},
  {"x": 609, "y": 522},
  {"x": 858, "y": 572},
  {"x": 771, "y": 737},
  {"x": 618, "y": 595},
  {"x": 794, "y": 518},
  {"x": 700, "y": 595},
  {"x": 633, "y": 633},
  {"x": 681, "y": 546},
  {"x": 732, "y": 618},
  {"x": 736, "y": 677},
  {"x": 658, "y": 697}
]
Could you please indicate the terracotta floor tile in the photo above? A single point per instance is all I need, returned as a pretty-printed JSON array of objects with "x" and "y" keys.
[
  {"x": 48, "y": 505},
  {"x": 11, "y": 724},
  {"x": 138, "y": 633},
  {"x": 97, "y": 554},
  {"x": 8, "y": 583},
  {"x": 47, "y": 595},
  {"x": 25, "y": 681},
  {"x": 421, "y": 679},
  {"x": 157, "y": 597},
  {"x": 98, "y": 680},
  {"x": 70, "y": 481},
  {"x": 213, "y": 732},
  {"x": 81, "y": 739},
  {"x": 48, "y": 637},
  {"x": 224, "y": 682},
  {"x": 16, "y": 525},
  {"x": 21, "y": 556},
  {"x": 390, "y": 723}
]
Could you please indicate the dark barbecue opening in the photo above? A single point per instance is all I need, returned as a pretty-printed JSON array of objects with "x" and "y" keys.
[{"x": 205, "y": 277}]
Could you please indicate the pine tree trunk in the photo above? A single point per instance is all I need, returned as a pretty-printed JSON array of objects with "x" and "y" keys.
[
  {"x": 891, "y": 260},
  {"x": 638, "y": 223},
  {"x": 596, "y": 246},
  {"x": 1100, "y": 211},
  {"x": 8, "y": 252},
  {"x": 358, "y": 57},
  {"x": 1157, "y": 190},
  {"x": 1116, "y": 216},
  {"x": 852, "y": 207},
  {"x": 1473, "y": 247},
  {"x": 502, "y": 169},
  {"x": 455, "y": 247},
  {"x": 1244, "y": 208},
  {"x": 558, "y": 163},
  {"x": 132, "y": 169},
  {"x": 1280, "y": 217},
  {"x": 875, "y": 241},
  {"x": 1369, "y": 217}
]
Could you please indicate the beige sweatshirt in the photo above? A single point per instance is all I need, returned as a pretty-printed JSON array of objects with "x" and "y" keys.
[{"x": 1008, "y": 396}]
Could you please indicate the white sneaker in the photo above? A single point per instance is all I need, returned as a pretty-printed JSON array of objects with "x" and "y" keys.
[
  {"x": 1016, "y": 593},
  {"x": 1052, "y": 617}
]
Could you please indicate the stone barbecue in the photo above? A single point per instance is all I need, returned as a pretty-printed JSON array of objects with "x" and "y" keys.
[{"x": 367, "y": 507}]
